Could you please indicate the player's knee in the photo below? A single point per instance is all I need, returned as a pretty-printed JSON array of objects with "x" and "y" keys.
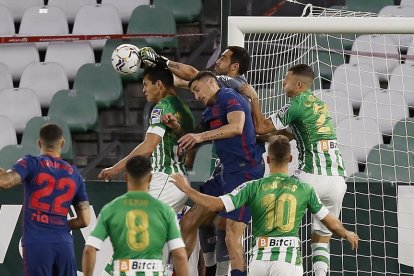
[{"x": 188, "y": 225}]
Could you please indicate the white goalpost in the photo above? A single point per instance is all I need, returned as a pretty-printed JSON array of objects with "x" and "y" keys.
[{"x": 364, "y": 67}]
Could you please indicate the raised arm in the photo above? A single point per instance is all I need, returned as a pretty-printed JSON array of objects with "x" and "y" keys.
[{"x": 9, "y": 179}]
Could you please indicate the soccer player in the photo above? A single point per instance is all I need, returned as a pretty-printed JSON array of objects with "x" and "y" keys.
[
  {"x": 278, "y": 203},
  {"x": 320, "y": 161},
  {"x": 138, "y": 226},
  {"x": 160, "y": 142},
  {"x": 50, "y": 186}
]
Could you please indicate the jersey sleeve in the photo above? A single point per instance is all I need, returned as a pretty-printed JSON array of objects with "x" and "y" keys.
[
  {"x": 155, "y": 123},
  {"x": 80, "y": 195},
  {"x": 315, "y": 205},
  {"x": 99, "y": 232},
  {"x": 26, "y": 167},
  {"x": 229, "y": 82},
  {"x": 229, "y": 102},
  {"x": 174, "y": 239},
  {"x": 238, "y": 197},
  {"x": 286, "y": 115}
]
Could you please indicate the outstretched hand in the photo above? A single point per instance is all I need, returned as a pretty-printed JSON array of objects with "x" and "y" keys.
[
  {"x": 189, "y": 140},
  {"x": 150, "y": 58},
  {"x": 249, "y": 91},
  {"x": 170, "y": 121},
  {"x": 352, "y": 238},
  {"x": 180, "y": 181},
  {"x": 108, "y": 173}
]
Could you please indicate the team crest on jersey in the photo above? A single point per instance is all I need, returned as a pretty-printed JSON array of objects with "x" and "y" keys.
[
  {"x": 156, "y": 116},
  {"x": 238, "y": 189},
  {"x": 281, "y": 113}
]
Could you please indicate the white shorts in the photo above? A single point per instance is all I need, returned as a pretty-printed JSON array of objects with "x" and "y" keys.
[
  {"x": 274, "y": 268},
  {"x": 163, "y": 189},
  {"x": 331, "y": 191}
]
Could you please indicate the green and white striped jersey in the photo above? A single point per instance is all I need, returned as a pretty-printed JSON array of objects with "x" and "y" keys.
[
  {"x": 277, "y": 203},
  {"x": 309, "y": 119},
  {"x": 166, "y": 157}
]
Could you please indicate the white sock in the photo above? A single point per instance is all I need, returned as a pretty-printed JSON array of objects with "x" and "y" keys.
[
  {"x": 222, "y": 268},
  {"x": 320, "y": 258}
]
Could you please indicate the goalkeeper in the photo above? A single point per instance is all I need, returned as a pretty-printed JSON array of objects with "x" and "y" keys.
[
  {"x": 320, "y": 161},
  {"x": 278, "y": 203}
]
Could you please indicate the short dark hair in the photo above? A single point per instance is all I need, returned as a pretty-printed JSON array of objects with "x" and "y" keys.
[
  {"x": 240, "y": 56},
  {"x": 138, "y": 166},
  {"x": 279, "y": 149},
  {"x": 202, "y": 75},
  {"x": 162, "y": 74},
  {"x": 50, "y": 134},
  {"x": 302, "y": 70}
]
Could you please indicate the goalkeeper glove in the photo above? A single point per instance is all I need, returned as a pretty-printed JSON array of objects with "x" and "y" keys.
[{"x": 150, "y": 58}]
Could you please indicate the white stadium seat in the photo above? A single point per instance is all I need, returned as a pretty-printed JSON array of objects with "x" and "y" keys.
[
  {"x": 6, "y": 22},
  {"x": 97, "y": 19},
  {"x": 71, "y": 55},
  {"x": 402, "y": 79},
  {"x": 407, "y": 3},
  {"x": 387, "y": 107},
  {"x": 378, "y": 51},
  {"x": 19, "y": 105},
  {"x": 350, "y": 163},
  {"x": 355, "y": 80},
  {"x": 45, "y": 79},
  {"x": 17, "y": 57},
  {"x": 70, "y": 8},
  {"x": 6, "y": 80},
  {"x": 7, "y": 133},
  {"x": 338, "y": 103},
  {"x": 410, "y": 54},
  {"x": 125, "y": 7},
  {"x": 17, "y": 7}
]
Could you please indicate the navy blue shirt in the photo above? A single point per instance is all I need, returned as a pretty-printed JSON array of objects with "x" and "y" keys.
[
  {"x": 241, "y": 152},
  {"x": 50, "y": 185}
]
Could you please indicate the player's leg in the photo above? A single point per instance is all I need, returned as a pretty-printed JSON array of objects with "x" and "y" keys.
[
  {"x": 222, "y": 253},
  {"x": 38, "y": 260},
  {"x": 259, "y": 267},
  {"x": 65, "y": 264},
  {"x": 234, "y": 233},
  {"x": 281, "y": 268},
  {"x": 208, "y": 240}
]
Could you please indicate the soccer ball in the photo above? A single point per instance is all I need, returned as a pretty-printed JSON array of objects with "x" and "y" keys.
[{"x": 125, "y": 59}]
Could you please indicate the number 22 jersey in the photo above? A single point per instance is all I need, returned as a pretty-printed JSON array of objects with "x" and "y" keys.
[{"x": 50, "y": 186}]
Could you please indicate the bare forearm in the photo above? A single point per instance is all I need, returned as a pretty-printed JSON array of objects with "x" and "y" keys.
[
  {"x": 334, "y": 225},
  {"x": 142, "y": 150},
  {"x": 181, "y": 266},
  {"x": 261, "y": 124},
  {"x": 211, "y": 203},
  {"x": 76, "y": 223},
  {"x": 226, "y": 131},
  {"x": 9, "y": 179},
  {"x": 181, "y": 70},
  {"x": 88, "y": 260}
]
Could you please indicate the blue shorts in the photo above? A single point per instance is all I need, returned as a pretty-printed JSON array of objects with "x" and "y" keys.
[
  {"x": 56, "y": 259},
  {"x": 231, "y": 181},
  {"x": 213, "y": 186}
]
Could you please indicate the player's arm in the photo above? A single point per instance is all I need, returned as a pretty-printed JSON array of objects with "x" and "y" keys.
[
  {"x": 336, "y": 227},
  {"x": 180, "y": 261},
  {"x": 233, "y": 128},
  {"x": 88, "y": 260},
  {"x": 180, "y": 82},
  {"x": 82, "y": 218},
  {"x": 211, "y": 203},
  {"x": 9, "y": 179},
  {"x": 146, "y": 148}
]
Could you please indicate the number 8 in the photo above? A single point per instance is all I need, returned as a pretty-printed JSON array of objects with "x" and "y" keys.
[{"x": 138, "y": 235}]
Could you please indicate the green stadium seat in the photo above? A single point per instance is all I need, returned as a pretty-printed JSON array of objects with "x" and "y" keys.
[
  {"x": 403, "y": 135},
  {"x": 77, "y": 109},
  {"x": 328, "y": 62},
  {"x": 368, "y": 5},
  {"x": 336, "y": 42},
  {"x": 101, "y": 81},
  {"x": 11, "y": 153},
  {"x": 202, "y": 164},
  {"x": 110, "y": 46},
  {"x": 384, "y": 163},
  {"x": 31, "y": 134},
  {"x": 358, "y": 177},
  {"x": 150, "y": 19},
  {"x": 184, "y": 11}
]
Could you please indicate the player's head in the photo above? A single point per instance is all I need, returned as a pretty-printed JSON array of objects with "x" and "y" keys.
[
  {"x": 204, "y": 86},
  {"x": 51, "y": 138},
  {"x": 138, "y": 173},
  {"x": 298, "y": 79},
  {"x": 279, "y": 151},
  {"x": 157, "y": 81},
  {"x": 233, "y": 61}
]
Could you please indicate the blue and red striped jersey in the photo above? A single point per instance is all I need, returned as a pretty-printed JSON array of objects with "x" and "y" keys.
[{"x": 50, "y": 186}]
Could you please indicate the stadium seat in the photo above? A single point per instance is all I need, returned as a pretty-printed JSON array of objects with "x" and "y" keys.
[
  {"x": 355, "y": 80},
  {"x": 110, "y": 46},
  {"x": 70, "y": 8},
  {"x": 184, "y": 11},
  {"x": 101, "y": 81},
  {"x": 8, "y": 133},
  {"x": 45, "y": 79},
  {"x": 328, "y": 61},
  {"x": 359, "y": 135},
  {"x": 78, "y": 110},
  {"x": 368, "y": 6},
  {"x": 407, "y": 3},
  {"x": 403, "y": 135},
  {"x": 17, "y": 7},
  {"x": 97, "y": 19},
  {"x": 71, "y": 55},
  {"x": 31, "y": 134},
  {"x": 384, "y": 163},
  {"x": 6, "y": 22},
  {"x": 402, "y": 79},
  {"x": 384, "y": 106},
  {"x": 350, "y": 163},
  {"x": 410, "y": 54},
  {"x": 202, "y": 164},
  {"x": 19, "y": 105},
  {"x": 338, "y": 103},
  {"x": 402, "y": 40},
  {"x": 125, "y": 7},
  {"x": 6, "y": 80},
  {"x": 11, "y": 153},
  {"x": 383, "y": 55},
  {"x": 358, "y": 177},
  {"x": 146, "y": 19},
  {"x": 17, "y": 57},
  {"x": 335, "y": 42}
]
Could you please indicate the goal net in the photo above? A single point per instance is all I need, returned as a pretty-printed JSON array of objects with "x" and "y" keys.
[{"x": 364, "y": 67}]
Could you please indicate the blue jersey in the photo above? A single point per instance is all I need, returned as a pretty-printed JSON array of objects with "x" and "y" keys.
[
  {"x": 50, "y": 185},
  {"x": 241, "y": 152}
]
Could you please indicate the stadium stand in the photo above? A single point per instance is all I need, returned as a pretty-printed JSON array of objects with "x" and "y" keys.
[
  {"x": 6, "y": 80},
  {"x": 70, "y": 8},
  {"x": 338, "y": 103},
  {"x": 17, "y": 57},
  {"x": 11, "y": 153},
  {"x": 17, "y": 8},
  {"x": 185, "y": 11},
  {"x": 6, "y": 22},
  {"x": 202, "y": 164},
  {"x": 403, "y": 136},
  {"x": 125, "y": 7},
  {"x": 8, "y": 132},
  {"x": 367, "y": 6},
  {"x": 402, "y": 79}
]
